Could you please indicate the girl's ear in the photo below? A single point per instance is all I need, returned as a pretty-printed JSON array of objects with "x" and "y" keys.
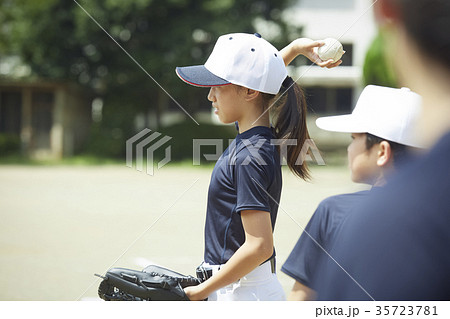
[
  {"x": 384, "y": 155},
  {"x": 251, "y": 95}
]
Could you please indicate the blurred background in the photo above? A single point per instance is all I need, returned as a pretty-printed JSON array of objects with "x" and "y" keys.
[
  {"x": 67, "y": 89},
  {"x": 70, "y": 97}
]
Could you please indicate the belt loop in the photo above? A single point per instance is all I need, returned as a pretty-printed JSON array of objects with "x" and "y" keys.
[
  {"x": 273, "y": 265},
  {"x": 204, "y": 272}
]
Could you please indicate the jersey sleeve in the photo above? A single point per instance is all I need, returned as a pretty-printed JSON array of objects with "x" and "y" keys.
[
  {"x": 253, "y": 176},
  {"x": 304, "y": 258}
]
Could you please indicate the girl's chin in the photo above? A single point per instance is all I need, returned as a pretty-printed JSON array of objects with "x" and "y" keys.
[{"x": 225, "y": 121}]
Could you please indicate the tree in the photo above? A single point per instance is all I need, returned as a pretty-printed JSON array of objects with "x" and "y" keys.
[
  {"x": 377, "y": 68},
  {"x": 59, "y": 41}
]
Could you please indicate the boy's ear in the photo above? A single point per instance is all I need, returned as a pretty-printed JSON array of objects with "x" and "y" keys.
[{"x": 384, "y": 155}]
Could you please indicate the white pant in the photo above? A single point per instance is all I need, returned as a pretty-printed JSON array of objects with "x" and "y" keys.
[{"x": 260, "y": 284}]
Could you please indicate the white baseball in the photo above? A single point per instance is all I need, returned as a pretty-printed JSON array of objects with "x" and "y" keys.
[{"x": 332, "y": 49}]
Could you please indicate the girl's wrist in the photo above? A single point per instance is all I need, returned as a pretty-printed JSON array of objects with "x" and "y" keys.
[
  {"x": 295, "y": 48},
  {"x": 291, "y": 51},
  {"x": 196, "y": 293}
]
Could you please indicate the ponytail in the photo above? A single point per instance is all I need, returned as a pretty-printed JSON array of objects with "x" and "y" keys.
[{"x": 290, "y": 124}]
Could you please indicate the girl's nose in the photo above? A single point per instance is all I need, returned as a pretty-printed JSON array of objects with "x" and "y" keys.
[{"x": 211, "y": 96}]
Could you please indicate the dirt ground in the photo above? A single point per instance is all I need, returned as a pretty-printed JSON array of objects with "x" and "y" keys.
[{"x": 61, "y": 224}]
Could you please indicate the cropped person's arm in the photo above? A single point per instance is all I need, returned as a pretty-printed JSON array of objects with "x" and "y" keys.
[
  {"x": 257, "y": 248},
  {"x": 305, "y": 46},
  {"x": 300, "y": 292}
]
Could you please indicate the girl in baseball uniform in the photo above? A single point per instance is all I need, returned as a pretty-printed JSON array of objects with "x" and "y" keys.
[{"x": 248, "y": 83}]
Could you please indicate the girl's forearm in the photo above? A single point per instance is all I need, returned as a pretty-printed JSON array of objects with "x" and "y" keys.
[
  {"x": 289, "y": 53},
  {"x": 245, "y": 259}
]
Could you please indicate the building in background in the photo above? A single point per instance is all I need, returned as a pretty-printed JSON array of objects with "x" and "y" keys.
[
  {"x": 333, "y": 91},
  {"x": 352, "y": 23},
  {"x": 51, "y": 119}
]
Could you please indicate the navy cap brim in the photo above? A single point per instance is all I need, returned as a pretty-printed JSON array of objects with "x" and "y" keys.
[{"x": 198, "y": 75}]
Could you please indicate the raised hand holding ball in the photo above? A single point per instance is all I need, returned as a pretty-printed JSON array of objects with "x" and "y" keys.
[{"x": 332, "y": 49}]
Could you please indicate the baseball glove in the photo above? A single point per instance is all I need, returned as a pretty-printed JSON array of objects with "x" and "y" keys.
[{"x": 153, "y": 283}]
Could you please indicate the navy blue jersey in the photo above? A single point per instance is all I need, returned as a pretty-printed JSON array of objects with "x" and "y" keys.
[
  {"x": 396, "y": 244},
  {"x": 246, "y": 177},
  {"x": 317, "y": 236}
]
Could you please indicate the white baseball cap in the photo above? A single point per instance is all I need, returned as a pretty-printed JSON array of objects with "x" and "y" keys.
[
  {"x": 388, "y": 113},
  {"x": 242, "y": 59}
]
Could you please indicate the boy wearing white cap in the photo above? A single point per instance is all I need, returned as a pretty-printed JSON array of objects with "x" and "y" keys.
[{"x": 382, "y": 127}]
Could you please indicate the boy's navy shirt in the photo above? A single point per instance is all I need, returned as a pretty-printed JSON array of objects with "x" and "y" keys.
[
  {"x": 247, "y": 176},
  {"x": 317, "y": 237},
  {"x": 395, "y": 244}
]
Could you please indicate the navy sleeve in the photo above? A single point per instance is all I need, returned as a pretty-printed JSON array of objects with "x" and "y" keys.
[
  {"x": 253, "y": 178},
  {"x": 302, "y": 261}
]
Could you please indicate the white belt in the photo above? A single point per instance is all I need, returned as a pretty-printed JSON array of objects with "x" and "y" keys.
[{"x": 261, "y": 273}]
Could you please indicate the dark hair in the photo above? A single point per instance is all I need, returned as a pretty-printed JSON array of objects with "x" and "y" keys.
[
  {"x": 399, "y": 151},
  {"x": 428, "y": 23},
  {"x": 289, "y": 120}
]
